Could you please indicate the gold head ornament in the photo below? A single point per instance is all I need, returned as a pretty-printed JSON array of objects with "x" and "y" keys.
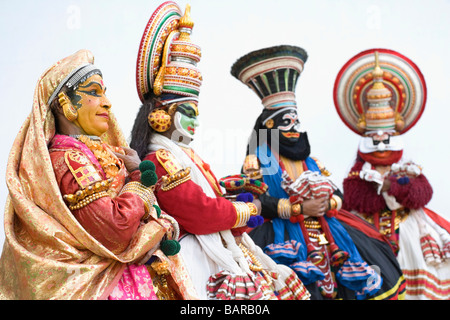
[
  {"x": 69, "y": 110},
  {"x": 178, "y": 47}
]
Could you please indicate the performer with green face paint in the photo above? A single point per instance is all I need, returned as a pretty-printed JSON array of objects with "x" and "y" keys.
[{"x": 220, "y": 265}]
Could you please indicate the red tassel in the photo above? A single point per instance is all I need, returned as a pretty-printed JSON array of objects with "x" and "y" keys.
[
  {"x": 338, "y": 256},
  {"x": 332, "y": 213}
]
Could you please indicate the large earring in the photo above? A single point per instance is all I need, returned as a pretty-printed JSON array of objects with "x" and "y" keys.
[
  {"x": 159, "y": 120},
  {"x": 172, "y": 109},
  {"x": 68, "y": 109},
  {"x": 269, "y": 124}
]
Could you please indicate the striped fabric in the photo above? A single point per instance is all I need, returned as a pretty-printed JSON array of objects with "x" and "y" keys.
[
  {"x": 289, "y": 253},
  {"x": 225, "y": 286},
  {"x": 430, "y": 249},
  {"x": 294, "y": 290},
  {"x": 424, "y": 285},
  {"x": 397, "y": 292},
  {"x": 424, "y": 280}
]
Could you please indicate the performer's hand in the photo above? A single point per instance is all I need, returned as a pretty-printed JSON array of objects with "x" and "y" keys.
[
  {"x": 130, "y": 159},
  {"x": 258, "y": 205},
  {"x": 315, "y": 207},
  {"x": 386, "y": 184}
]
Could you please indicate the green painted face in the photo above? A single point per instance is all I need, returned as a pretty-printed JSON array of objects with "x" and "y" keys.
[{"x": 186, "y": 119}]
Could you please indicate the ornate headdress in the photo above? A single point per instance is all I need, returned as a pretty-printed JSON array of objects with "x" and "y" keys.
[
  {"x": 167, "y": 59},
  {"x": 76, "y": 76},
  {"x": 380, "y": 90},
  {"x": 272, "y": 74}
]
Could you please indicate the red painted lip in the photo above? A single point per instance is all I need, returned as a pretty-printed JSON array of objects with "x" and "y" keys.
[
  {"x": 291, "y": 134},
  {"x": 192, "y": 129},
  {"x": 104, "y": 115}
]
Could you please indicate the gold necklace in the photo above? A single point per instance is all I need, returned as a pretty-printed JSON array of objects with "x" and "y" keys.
[{"x": 108, "y": 162}]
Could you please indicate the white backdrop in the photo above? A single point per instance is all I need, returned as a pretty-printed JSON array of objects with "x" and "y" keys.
[{"x": 36, "y": 34}]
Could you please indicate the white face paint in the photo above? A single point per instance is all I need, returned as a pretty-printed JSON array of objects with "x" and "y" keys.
[
  {"x": 380, "y": 141},
  {"x": 289, "y": 121}
]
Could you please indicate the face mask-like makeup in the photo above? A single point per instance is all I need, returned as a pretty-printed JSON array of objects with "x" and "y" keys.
[
  {"x": 289, "y": 125},
  {"x": 185, "y": 120},
  {"x": 92, "y": 106},
  {"x": 380, "y": 141}
]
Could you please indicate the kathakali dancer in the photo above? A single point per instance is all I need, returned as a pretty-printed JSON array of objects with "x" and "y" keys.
[
  {"x": 380, "y": 94},
  {"x": 80, "y": 220},
  {"x": 303, "y": 228},
  {"x": 168, "y": 83}
]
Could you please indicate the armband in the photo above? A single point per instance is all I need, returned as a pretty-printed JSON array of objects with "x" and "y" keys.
[
  {"x": 322, "y": 168},
  {"x": 176, "y": 174},
  {"x": 83, "y": 197},
  {"x": 169, "y": 182}
]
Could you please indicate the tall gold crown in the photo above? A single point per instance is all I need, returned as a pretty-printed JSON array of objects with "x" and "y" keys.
[
  {"x": 186, "y": 24},
  {"x": 379, "y": 115},
  {"x": 390, "y": 70},
  {"x": 167, "y": 60}
]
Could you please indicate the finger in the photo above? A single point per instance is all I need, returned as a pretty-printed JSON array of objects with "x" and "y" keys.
[
  {"x": 120, "y": 155},
  {"x": 129, "y": 150},
  {"x": 126, "y": 149}
]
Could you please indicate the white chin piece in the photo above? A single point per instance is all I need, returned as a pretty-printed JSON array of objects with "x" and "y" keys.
[
  {"x": 180, "y": 132},
  {"x": 366, "y": 145}
]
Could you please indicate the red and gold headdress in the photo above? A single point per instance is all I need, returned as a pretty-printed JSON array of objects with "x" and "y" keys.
[
  {"x": 380, "y": 89},
  {"x": 167, "y": 59}
]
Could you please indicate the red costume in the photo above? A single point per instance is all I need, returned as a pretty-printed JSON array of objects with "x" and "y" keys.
[
  {"x": 112, "y": 221},
  {"x": 211, "y": 214},
  {"x": 388, "y": 191}
]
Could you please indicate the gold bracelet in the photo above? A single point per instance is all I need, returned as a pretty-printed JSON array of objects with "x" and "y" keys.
[
  {"x": 87, "y": 200},
  {"x": 284, "y": 209},
  {"x": 253, "y": 208},
  {"x": 146, "y": 195},
  {"x": 335, "y": 203},
  {"x": 175, "y": 225},
  {"x": 297, "y": 209},
  {"x": 242, "y": 213}
]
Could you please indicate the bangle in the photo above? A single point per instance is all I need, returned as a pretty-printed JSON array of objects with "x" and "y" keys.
[
  {"x": 335, "y": 203},
  {"x": 146, "y": 195},
  {"x": 284, "y": 209},
  {"x": 242, "y": 213},
  {"x": 253, "y": 208},
  {"x": 297, "y": 209}
]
